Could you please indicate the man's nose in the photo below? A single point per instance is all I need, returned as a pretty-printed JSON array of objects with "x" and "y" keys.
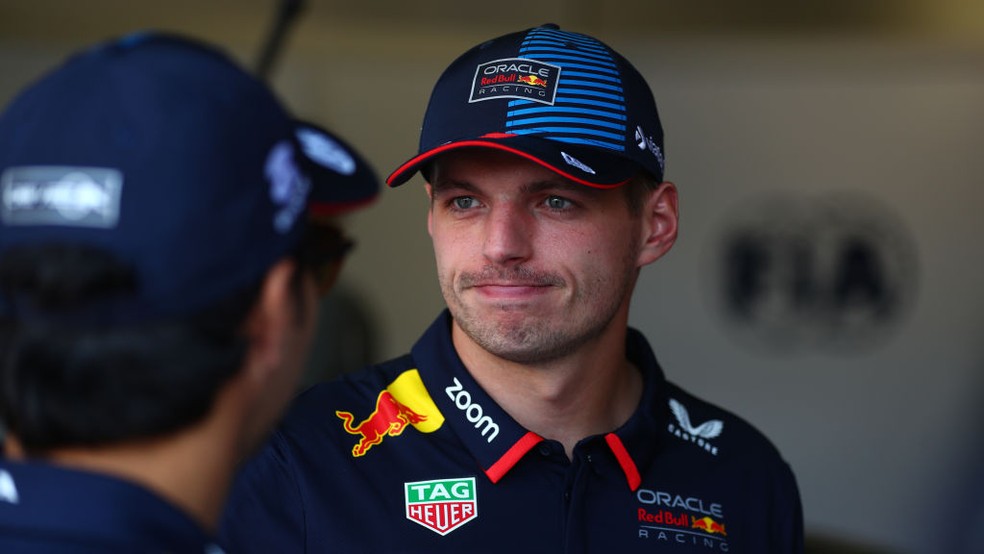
[{"x": 508, "y": 235}]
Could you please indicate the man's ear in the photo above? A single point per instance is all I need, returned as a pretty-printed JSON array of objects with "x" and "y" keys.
[
  {"x": 272, "y": 319},
  {"x": 660, "y": 217}
]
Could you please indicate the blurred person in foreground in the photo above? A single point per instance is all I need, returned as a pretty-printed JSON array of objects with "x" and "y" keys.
[
  {"x": 529, "y": 417},
  {"x": 158, "y": 281}
]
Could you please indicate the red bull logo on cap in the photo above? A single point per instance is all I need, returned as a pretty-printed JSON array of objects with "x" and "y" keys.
[
  {"x": 708, "y": 525},
  {"x": 404, "y": 402},
  {"x": 532, "y": 80},
  {"x": 515, "y": 78}
]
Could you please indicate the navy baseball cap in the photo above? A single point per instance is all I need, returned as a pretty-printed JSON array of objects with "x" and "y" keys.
[
  {"x": 344, "y": 181},
  {"x": 564, "y": 100},
  {"x": 165, "y": 153}
]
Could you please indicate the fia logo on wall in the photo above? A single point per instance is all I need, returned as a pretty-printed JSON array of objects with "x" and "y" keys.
[{"x": 814, "y": 272}]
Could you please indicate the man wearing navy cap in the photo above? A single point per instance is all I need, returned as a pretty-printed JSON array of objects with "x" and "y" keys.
[
  {"x": 529, "y": 417},
  {"x": 157, "y": 286}
]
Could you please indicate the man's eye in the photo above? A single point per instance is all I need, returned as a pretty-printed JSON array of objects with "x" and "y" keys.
[
  {"x": 463, "y": 202},
  {"x": 558, "y": 203}
]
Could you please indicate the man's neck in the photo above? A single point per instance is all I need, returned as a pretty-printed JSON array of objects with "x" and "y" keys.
[
  {"x": 590, "y": 392},
  {"x": 191, "y": 469}
]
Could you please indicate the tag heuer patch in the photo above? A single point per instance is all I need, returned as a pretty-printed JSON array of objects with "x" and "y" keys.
[{"x": 442, "y": 505}]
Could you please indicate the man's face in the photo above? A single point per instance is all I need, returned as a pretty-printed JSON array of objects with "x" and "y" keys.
[{"x": 531, "y": 265}]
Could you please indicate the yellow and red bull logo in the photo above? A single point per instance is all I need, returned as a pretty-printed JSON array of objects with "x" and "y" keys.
[
  {"x": 532, "y": 80},
  {"x": 404, "y": 402},
  {"x": 708, "y": 525}
]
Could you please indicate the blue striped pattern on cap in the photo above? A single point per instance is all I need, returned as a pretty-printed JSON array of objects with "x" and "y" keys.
[{"x": 589, "y": 108}]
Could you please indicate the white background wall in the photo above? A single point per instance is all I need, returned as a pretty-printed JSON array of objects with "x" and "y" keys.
[
  {"x": 877, "y": 435},
  {"x": 883, "y": 438}
]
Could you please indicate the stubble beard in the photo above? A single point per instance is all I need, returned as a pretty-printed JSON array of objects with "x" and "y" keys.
[{"x": 520, "y": 336}]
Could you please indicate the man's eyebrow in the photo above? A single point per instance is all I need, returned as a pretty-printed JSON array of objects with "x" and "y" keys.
[
  {"x": 444, "y": 185},
  {"x": 552, "y": 184}
]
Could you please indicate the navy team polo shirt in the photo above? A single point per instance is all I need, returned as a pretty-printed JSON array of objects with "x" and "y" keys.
[
  {"x": 413, "y": 456},
  {"x": 46, "y": 509}
]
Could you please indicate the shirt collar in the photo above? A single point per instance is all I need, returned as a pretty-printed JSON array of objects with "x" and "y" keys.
[
  {"x": 642, "y": 436},
  {"x": 493, "y": 437},
  {"x": 496, "y": 440}
]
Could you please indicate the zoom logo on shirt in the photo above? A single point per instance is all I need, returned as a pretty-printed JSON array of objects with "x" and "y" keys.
[{"x": 473, "y": 412}]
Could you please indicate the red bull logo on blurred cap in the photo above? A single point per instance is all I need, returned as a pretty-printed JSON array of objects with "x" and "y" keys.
[{"x": 404, "y": 402}]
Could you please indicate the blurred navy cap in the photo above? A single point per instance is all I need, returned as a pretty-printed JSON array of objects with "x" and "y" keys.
[
  {"x": 162, "y": 151},
  {"x": 344, "y": 179}
]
